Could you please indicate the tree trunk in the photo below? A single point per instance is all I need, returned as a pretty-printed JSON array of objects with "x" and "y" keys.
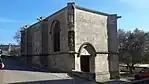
[{"x": 130, "y": 67}]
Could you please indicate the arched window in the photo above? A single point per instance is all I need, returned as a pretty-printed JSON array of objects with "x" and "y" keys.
[{"x": 56, "y": 35}]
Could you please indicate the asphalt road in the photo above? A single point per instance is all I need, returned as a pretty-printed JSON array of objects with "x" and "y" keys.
[{"x": 17, "y": 74}]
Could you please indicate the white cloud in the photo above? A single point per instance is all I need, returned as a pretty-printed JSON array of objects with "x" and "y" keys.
[
  {"x": 5, "y": 20},
  {"x": 143, "y": 4}
]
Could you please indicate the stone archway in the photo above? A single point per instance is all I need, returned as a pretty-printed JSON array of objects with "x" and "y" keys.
[
  {"x": 87, "y": 55},
  {"x": 55, "y": 34}
]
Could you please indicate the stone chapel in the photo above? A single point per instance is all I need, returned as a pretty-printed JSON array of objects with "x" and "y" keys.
[{"x": 73, "y": 38}]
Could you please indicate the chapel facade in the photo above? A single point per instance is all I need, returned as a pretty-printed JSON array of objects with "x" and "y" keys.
[{"x": 74, "y": 38}]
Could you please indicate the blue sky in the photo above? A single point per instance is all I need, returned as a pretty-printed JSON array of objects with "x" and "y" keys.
[{"x": 17, "y": 13}]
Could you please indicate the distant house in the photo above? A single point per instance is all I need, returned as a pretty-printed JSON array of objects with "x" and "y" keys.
[{"x": 7, "y": 48}]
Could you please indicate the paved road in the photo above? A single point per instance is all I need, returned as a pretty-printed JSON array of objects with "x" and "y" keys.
[{"x": 14, "y": 73}]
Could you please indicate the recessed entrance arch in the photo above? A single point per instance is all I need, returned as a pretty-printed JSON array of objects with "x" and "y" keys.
[{"x": 87, "y": 54}]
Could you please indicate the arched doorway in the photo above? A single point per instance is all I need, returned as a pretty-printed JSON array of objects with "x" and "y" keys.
[{"x": 87, "y": 55}]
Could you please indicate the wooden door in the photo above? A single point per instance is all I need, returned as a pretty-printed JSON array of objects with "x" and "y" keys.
[{"x": 85, "y": 63}]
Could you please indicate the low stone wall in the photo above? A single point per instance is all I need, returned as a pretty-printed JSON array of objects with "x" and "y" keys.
[{"x": 143, "y": 81}]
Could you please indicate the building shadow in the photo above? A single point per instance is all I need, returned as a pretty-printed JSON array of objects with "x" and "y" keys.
[
  {"x": 69, "y": 81},
  {"x": 91, "y": 77},
  {"x": 13, "y": 64},
  {"x": 61, "y": 81}
]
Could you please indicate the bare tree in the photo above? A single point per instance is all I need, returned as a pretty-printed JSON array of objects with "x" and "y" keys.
[{"x": 17, "y": 36}]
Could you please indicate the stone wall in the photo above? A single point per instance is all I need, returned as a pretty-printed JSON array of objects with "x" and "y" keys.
[
  {"x": 29, "y": 46},
  {"x": 36, "y": 43},
  {"x": 44, "y": 58},
  {"x": 92, "y": 28},
  {"x": 22, "y": 42},
  {"x": 101, "y": 31},
  {"x": 40, "y": 41},
  {"x": 61, "y": 61},
  {"x": 23, "y": 45},
  {"x": 113, "y": 46},
  {"x": 60, "y": 16}
]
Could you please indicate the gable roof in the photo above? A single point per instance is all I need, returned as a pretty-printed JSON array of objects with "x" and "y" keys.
[{"x": 77, "y": 7}]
